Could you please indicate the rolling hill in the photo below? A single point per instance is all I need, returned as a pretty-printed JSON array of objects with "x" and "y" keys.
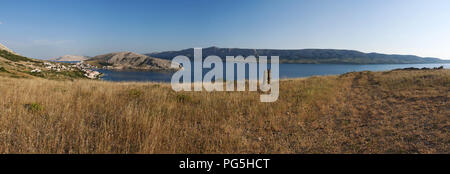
[
  {"x": 4, "y": 48},
  {"x": 17, "y": 66}
]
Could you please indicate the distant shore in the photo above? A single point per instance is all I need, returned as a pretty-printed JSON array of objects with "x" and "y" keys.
[{"x": 287, "y": 71}]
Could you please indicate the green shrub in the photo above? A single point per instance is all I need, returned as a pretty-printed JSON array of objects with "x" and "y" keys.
[
  {"x": 135, "y": 93},
  {"x": 34, "y": 107},
  {"x": 36, "y": 74},
  {"x": 3, "y": 69},
  {"x": 72, "y": 74},
  {"x": 182, "y": 98}
]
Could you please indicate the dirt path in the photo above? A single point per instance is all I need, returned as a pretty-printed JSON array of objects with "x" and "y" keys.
[{"x": 410, "y": 119}]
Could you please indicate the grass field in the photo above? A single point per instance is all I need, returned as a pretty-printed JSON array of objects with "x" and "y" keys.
[{"x": 361, "y": 112}]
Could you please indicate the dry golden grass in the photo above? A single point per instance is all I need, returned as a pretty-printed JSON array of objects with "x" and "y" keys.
[{"x": 364, "y": 112}]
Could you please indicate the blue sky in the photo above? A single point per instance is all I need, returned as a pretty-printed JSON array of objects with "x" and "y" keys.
[{"x": 51, "y": 28}]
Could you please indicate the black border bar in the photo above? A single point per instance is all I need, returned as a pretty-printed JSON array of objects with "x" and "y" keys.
[{"x": 276, "y": 162}]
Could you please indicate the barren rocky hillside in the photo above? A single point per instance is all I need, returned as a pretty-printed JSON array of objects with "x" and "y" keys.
[{"x": 129, "y": 60}]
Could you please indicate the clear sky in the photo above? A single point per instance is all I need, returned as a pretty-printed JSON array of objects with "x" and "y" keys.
[{"x": 52, "y": 28}]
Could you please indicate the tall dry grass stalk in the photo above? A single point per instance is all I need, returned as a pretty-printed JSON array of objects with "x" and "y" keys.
[{"x": 365, "y": 112}]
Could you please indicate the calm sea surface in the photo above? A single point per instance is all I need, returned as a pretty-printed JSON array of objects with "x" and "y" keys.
[{"x": 286, "y": 71}]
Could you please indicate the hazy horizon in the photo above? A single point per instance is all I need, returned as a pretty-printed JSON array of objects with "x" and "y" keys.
[{"x": 49, "y": 28}]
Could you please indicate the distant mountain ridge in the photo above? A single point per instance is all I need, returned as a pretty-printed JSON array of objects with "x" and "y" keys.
[
  {"x": 70, "y": 58},
  {"x": 312, "y": 56},
  {"x": 129, "y": 60}
]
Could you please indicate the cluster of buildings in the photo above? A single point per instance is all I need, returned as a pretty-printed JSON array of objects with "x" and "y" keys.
[
  {"x": 53, "y": 67},
  {"x": 36, "y": 71},
  {"x": 57, "y": 67},
  {"x": 91, "y": 74},
  {"x": 82, "y": 65},
  {"x": 86, "y": 68}
]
